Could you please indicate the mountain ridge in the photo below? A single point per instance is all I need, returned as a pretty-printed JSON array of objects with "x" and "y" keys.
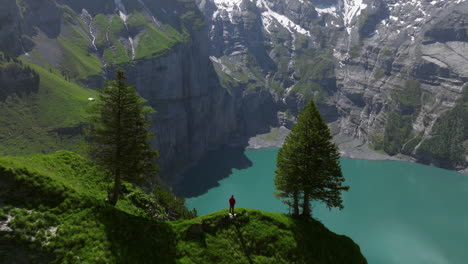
[{"x": 221, "y": 72}]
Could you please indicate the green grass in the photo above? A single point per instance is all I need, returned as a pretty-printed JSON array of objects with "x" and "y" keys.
[
  {"x": 261, "y": 237},
  {"x": 101, "y": 23},
  {"x": 58, "y": 200},
  {"x": 111, "y": 26},
  {"x": 154, "y": 42},
  {"x": 33, "y": 123},
  {"x": 62, "y": 103},
  {"x": 65, "y": 191},
  {"x": 72, "y": 171},
  {"x": 78, "y": 60}
]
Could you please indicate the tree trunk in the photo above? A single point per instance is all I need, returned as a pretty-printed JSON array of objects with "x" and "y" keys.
[
  {"x": 306, "y": 205},
  {"x": 117, "y": 179},
  {"x": 115, "y": 192},
  {"x": 296, "y": 203}
]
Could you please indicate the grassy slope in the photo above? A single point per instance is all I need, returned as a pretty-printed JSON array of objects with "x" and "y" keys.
[
  {"x": 64, "y": 193},
  {"x": 30, "y": 122},
  {"x": 261, "y": 237},
  {"x": 78, "y": 58},
  {"x": 153, "y": 42},
  {"x": 50, "y": 119}
]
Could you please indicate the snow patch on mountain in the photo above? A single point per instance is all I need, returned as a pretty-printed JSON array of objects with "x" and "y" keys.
[
  {"x": 351, "y": 9},
  {"x": 269, "y": 16},
  {"x": 327, "y": 9},
  {"x": 229, "y": 6}
]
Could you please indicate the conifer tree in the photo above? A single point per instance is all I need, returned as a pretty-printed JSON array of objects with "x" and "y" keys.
[
  {"x": 119, "y": 136},
  {"x": 308, "y": 165}
]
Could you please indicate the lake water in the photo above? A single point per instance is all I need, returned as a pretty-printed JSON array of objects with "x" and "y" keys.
[{"x": 398, "y": 212}]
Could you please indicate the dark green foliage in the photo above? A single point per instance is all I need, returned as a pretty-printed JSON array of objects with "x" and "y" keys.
[
  {"x": 397, "y": 131},
  {"x": 16, "y": 78},
  {"x": 30, "y": 189},
  {"x": 119, "y": 135},
  {"x": 137, "y": 240},
  {"x": 447, "y": 146},
  {"x": 314, "y": 66},
  {"x": 399, "y": 137},
  {"x": 408, "y": 97},
  {"x": 308, "y": 164},
  {"x": 377, "y": 141},
  {"x": 174, "y": 206}
]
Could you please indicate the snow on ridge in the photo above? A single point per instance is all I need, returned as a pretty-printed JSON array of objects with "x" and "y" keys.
[
  {"x": 327, "y": 9},
  {"x": 227, "y": 2},
  {"x": 352, "y": 9},
  {"x": 227, "y": 5},
  {"x": 269, "y": 15}
]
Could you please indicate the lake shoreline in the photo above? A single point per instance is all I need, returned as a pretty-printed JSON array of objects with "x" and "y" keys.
[{"x": 350, "y": 148}]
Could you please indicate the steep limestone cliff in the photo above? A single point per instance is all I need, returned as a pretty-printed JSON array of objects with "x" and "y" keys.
[
  {"x": 383, "y": 72},
  {"x": 164, "y": 50}
]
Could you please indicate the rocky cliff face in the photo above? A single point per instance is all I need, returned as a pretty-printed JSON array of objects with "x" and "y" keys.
[
  {"x": 194, "y": 115},
  {"x": 382, "y": 71},
  {"x": 163, "y": 48}
]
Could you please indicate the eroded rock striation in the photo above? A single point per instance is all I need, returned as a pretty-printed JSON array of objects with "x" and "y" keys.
[{"x": 384, "y": 73}]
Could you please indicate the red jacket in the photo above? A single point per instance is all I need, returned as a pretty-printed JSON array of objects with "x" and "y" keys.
[{"x": 232, "y": 201}]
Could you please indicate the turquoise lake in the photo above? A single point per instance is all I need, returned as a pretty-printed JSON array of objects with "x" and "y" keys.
[{"x": 398, "y": 212}]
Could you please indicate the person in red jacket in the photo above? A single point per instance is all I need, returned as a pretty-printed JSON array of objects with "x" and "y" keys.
[{"x": 232, "y": 202}]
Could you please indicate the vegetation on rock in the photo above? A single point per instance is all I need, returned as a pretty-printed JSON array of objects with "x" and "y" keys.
[{"x": 448, "y": 147}]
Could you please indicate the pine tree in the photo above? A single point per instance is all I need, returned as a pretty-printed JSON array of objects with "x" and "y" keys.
[
  {"x": 308, "y": 165},
  {"x": 119, "y": 136}
]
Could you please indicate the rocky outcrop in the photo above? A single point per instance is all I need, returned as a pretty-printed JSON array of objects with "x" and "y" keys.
[
  {"x": 194, "y": 114},
  {"x": 360, "y": 60},
  {"x": 382, "y": 72}
]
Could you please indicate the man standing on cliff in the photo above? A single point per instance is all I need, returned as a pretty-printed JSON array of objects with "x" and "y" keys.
[{"x": 232, "y": 202}]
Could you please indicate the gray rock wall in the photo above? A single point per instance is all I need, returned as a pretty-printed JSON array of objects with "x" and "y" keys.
[{"x": 195, "y": 114}]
